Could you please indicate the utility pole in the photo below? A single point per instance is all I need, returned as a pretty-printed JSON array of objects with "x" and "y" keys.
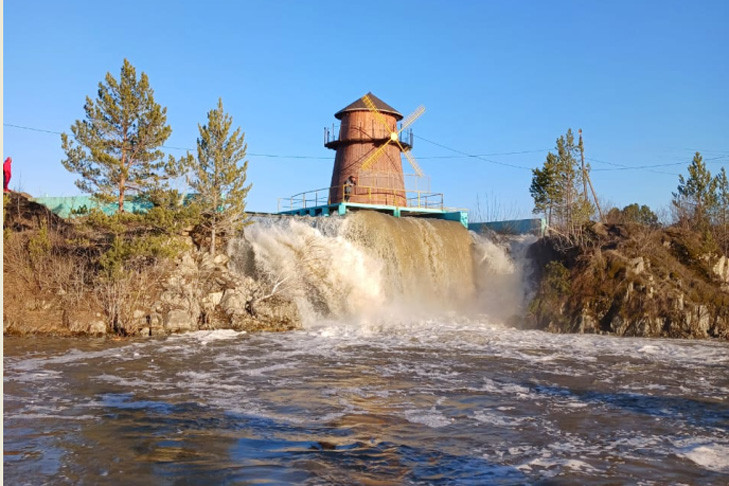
[
  {"x": 584, "y": 172},
  {"x": 586, "y": 179}
]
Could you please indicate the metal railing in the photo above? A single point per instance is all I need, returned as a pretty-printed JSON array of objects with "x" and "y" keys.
[
  {"x": 376, "y": 132},
  {"x": 362, "y": 195},
  {"x": 424, "y": 200},
  {"x": 303, "y": 200}
]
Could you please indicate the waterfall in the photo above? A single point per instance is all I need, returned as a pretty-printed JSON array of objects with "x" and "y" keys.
[
  {"x": 370, "y": 266},
  {"x": 502, "y": 273}
]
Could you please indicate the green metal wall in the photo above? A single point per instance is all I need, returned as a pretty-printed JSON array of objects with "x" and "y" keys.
[{"x": 64, "y": 206}]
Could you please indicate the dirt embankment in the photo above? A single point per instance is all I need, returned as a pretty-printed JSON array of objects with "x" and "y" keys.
[
  {"x": 53, "y": 283},
  {"x": 632, "y": 280}
]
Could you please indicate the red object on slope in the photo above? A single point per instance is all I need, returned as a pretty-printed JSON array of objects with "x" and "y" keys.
[{"x": 7, "y": 169}]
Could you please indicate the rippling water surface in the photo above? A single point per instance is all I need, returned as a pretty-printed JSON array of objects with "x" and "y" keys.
[{"x": 434, "y": 402}]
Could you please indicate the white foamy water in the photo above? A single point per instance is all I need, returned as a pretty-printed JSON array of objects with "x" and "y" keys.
[
  {"x": 379, "y": 387},
  {"x": 441, "y": 397},
  {"x": 370, "y": 268},
  {"x": 711, "y": 456}
]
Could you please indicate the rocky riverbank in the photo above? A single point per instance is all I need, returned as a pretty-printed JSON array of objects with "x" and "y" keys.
[
  {"x": 52, "y": 284},
  {"x": 205, "y": 293},
  {"x": 63, "y": 277},
  {"x": 632, "y": 280}
]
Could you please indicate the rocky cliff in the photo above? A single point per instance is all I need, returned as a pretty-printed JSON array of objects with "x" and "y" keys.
[
  {"x": 205, "y": 293},
  {"x": 632, "y": 280},
  {"x": 52, "y": 284}
]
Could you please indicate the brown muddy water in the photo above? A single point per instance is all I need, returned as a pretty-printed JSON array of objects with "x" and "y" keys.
[{"x": 442, "y": 401}]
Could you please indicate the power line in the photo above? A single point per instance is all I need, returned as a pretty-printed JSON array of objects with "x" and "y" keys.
[
  {"x": 624, "y": 167},
  {"x": 521, "y": 152},
  {"x": 473, "y": 156},
  {"x": 651, "y": 167},
  {"x": 276, "y": 156},
  {"x": 31, "y": 129},
  {"x": 632, "y": 167},
  {"x": 463, "y": 154},
  {"x": 617, "y": 166}
]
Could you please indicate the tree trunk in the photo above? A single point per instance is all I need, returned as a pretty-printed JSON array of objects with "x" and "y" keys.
[
  {"x": 123, "y": 174},
  {"x": 549, "y": 216},
  {"x": 121, "y": 197},
  {"x": 212, "y": 241}
]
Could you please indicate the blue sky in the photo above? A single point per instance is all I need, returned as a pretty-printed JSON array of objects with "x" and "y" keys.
[{"x": 647, "y": 81}]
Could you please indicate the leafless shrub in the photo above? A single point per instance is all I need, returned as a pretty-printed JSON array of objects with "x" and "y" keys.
[
  {"x": 126, "y": 299},
  {"x": 273, "y": 287},
  {"x": 302, "y": 276},
  {"x": 490, "y": 208},
  {"x": 40, "y": 263}
]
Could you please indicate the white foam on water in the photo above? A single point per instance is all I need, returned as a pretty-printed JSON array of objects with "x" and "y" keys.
[
  {"x": 552, "y": 466},
  {"x": 192, "y": 376},
  {"x": 127, "y": 382},
  {"x": 430, "y": 418},
  {"x": 558, "y": 351},
  {"x": 500, "y": 420},
  {"x": 268, "y": 369},
  {"x": 712, "y": 456},
  {"x": 493, "y": 387},
  {"x": 205, "y": 337}
]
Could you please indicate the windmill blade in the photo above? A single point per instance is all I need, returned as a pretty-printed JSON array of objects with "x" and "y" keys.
[
  {"x": 413, "y": 163},
  {"x": 374, "y": 156},
  {"x": 412, "y": 117},
  {"x": 371, "y": 106}
]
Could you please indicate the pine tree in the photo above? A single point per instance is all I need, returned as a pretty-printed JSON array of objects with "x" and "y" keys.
[
  {"x": 722, "y": 190},
  {"x": 217, "y": 177},
  {"x": 544, "y": 189},
  {"x": 634, "y": 213},
  {"x": 116, "y": 148},
  {"x": 696, "y": 196},
  {"x": 556, "y": 188},
  {"x": 721, "y": 213}
]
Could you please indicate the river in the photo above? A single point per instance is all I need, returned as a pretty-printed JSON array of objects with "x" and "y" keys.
[{"x": 441, "y": 402}]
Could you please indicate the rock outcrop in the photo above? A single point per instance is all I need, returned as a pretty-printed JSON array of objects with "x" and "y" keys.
[
  {"x": 631, "y": 280},
  {"x": 52, "y": 285},
  {"x": 204, "y": 293}
]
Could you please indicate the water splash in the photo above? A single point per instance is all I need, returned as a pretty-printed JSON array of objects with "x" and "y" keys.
[
  {"x": 502, "y": 276},
  {"x": 368, "y": 268}
]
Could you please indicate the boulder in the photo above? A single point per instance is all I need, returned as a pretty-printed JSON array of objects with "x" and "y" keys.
[
  {"x": 97, "y": 328},
  {"x": 721, "y": 269},
  {"x": 178, "y": 320},
  {"x": 636, "y": 266},
  {"x": 211, "y": 293},
  {"x": 700, "y": 321}
]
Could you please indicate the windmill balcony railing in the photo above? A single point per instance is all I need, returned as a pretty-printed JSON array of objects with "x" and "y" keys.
[
  {"x": 363, "y": 195},
  {"x": 333, "y": 134}
]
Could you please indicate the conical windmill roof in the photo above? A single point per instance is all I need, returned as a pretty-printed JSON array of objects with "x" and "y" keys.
[{"x": 359, "y": 105}]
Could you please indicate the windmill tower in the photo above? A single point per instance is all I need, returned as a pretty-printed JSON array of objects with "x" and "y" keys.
[{"x": 368, "y": 147}]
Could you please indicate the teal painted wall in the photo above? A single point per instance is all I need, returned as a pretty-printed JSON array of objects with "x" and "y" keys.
[
  {"x": 63, "y": 206},
  {"x": 535, "y": 226}
]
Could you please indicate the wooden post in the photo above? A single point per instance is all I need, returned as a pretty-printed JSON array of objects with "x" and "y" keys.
[
  {"x": 584, "y": 172},
  {"x": 586, "y": 179}
]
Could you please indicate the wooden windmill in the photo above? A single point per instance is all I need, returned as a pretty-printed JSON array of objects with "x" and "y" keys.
[{"x": 368, "y": 147}]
